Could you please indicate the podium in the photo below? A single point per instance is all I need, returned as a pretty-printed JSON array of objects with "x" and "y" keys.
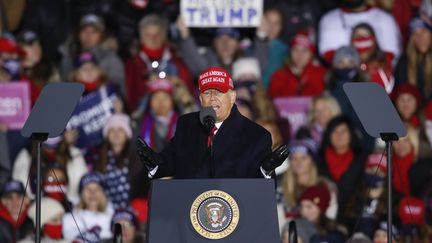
[{"x": 212, "y": 210}]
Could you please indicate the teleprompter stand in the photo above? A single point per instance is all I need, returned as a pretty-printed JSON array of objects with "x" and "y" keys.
[
  {"x": 380, "y": 119},
  {"x": 48, "y": 119}
]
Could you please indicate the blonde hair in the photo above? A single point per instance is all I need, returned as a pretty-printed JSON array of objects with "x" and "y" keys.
[
  {"x": 290, "y": 187},
  {"x": 331, "y": 103},
  {"x": 412, "y": 56},
  {"x": 263, "y": 107},
  {"x": 101, "y": 207}
]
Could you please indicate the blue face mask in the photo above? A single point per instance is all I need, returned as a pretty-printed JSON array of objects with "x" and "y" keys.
[
  {"x": 345, "y": 73},
  {"x": 12, "y": 67},
  {"x": 374, "y": 181}
]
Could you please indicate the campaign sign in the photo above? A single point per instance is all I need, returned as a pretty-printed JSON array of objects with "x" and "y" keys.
[
  {"x": 221, "y": 13},
  {"x": 295, "y": 109},
  {"x": 15, "y": 104},
  {"x": 91, "y": 114}
]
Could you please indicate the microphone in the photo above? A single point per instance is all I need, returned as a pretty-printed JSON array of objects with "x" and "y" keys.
[
  {"x": 207, "y": 117},
  {"x": 117, "y": 233},
  {"x": 292, "y": 232}
]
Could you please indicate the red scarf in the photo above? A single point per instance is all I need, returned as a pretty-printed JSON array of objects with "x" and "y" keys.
[
  {"x": 338, "y": 163},
  {"x": 153, "y": 54},
  {"x": 400, "y": 172},
  {"x": 414, "y": 121},
  {"x": 91, "y": 86},
  {"x": 4, "y": 214}
]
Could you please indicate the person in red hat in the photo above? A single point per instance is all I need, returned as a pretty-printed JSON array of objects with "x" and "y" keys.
[
  {"x": 301, "y": 76},
  {"x": 10, "y": 59},
  {"x": 241, "y": 148},
  {"x": 314, "y": 202},
  {"x": 407, "y": 100},
  {"x": 411, "y": 212},
  {"x": 159, "y": 122}
]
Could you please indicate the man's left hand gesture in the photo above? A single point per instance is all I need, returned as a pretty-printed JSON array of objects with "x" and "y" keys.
[{"x": 275, "y": 158}]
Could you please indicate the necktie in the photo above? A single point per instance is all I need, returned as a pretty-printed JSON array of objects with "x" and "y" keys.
[{"x": 213, "y": 130}]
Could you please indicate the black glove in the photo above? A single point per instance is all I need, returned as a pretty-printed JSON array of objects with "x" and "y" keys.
[
  {"x": 149, "y": 157},
  {"x": 275, "y": 158}
]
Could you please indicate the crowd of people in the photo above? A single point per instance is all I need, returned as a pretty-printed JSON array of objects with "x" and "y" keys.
[{"x": 334, "y": 182}]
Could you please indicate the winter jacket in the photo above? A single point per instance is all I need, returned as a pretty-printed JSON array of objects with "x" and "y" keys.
[
  {"x": 12, "y": 231},
  {"x": 285, "y": 83},
  {"x": 138, "y": 73}
]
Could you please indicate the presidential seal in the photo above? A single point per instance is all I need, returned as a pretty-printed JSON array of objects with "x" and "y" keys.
[{"x": 214, "y": 214}]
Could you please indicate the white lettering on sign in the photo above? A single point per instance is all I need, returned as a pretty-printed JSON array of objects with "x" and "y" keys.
[
  {"x": 222, "y": 13},
  {"x": 10, "y": 106}
]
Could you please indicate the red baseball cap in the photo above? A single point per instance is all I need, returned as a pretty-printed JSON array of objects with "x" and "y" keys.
[
  {"x": 412, "y": 211},
  {"x": 377, "y": 160},
  {"x": 10, "y": 46},
  {"x": 302, "y": 39},
  {"x": 319, "y": 195},
  {"x": 215, "y": 78},
  {"x": 161, "y": 85}
]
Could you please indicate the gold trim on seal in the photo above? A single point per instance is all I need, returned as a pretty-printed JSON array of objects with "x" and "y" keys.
[{"x": 216, "y": 195}]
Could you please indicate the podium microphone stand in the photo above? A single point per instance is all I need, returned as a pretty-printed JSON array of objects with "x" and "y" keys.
[
  {"x": 48, "y": 119},
  {"x": 380, "y": 119}
]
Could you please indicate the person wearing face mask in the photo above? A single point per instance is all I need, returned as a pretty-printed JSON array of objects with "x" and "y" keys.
[
  {"x": 10, "y": 60},
  {"x": 335, "y": 27},
  {"x": 251, "y": 93},
  {"x": 345, "y": 68},
  {"x": 51, "y": 221},
  {"x": 375, "y": 61},
  {"x": 11, "y": 56},
  {"x": 372, "y": 191},
  {"x": 15, "y": 61},
  {"x": 59, "y": 152},
  {"x": 241, "y": 148},
  {"x": 55, "y": 185},
  {"x": 88, "y": 72},
  {"x": 35, "y": 66},
  {"x": 91, "y": 36}
]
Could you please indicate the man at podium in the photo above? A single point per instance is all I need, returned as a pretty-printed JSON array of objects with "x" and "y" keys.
[{"x": 240, "y": 148}]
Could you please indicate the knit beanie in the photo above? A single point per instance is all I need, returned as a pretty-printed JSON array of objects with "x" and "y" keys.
[
  {"x": 347, "y": 52},
  {"x": 318, "y": 195},
  {"x": 118, "y": 120}
]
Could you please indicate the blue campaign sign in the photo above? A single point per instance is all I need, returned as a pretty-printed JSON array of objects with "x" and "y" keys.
[
  {"x": 91, "y": 114},
  {"x": 222, "y": 13}
]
